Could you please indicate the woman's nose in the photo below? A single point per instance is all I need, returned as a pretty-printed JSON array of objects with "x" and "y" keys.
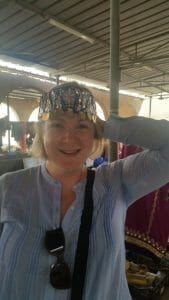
[{"x": 69, "y": 134}]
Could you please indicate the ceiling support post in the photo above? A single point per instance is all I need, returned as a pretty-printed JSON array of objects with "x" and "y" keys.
[
  {"x": 8, "y": 116},
  {"x": 150, "y": 106},
  {"x": 114, "y": 67}
]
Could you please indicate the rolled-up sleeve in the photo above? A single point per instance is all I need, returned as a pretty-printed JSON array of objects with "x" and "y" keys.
[{"x": 146, "y": 171}]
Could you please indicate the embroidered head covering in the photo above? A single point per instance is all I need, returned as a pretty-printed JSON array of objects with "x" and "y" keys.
[{"x": 68, "y": 97}]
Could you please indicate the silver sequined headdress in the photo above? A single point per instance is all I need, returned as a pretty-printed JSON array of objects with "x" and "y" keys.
[{"x": 68, "y": 97}]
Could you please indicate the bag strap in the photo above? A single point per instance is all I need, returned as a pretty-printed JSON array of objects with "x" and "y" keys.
[{"x": 83, "y": 240}]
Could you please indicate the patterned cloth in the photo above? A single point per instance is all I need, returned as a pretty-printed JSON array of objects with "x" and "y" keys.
[{"x": 147, "y": 223}]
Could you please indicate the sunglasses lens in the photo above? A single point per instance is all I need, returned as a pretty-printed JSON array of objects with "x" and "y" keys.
[
  {"x": 54, "y": 239},
  {"x": 60, "y": 276}
]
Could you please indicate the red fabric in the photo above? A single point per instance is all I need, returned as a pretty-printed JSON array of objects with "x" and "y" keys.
[{"x": 149, "y": 216}]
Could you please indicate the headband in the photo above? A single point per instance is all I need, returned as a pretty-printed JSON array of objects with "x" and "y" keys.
[{"x": 67, "y": 97}]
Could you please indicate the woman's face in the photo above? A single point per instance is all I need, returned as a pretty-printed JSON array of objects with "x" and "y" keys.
[{"x": 68, "y": 141}]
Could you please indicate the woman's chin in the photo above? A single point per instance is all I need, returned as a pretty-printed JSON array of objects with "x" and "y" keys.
[{"x": 68, "y": 163}]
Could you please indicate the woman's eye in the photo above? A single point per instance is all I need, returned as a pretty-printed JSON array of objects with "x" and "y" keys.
[
  {"x": 84, "y": 126},
  {"x": 56, "y": 125}
]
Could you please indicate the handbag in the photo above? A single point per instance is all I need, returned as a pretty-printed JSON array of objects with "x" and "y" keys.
[{"x": 83, "y": 240}]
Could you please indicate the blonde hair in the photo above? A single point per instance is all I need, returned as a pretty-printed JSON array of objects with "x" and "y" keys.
[{"x": 38, "y": 149}]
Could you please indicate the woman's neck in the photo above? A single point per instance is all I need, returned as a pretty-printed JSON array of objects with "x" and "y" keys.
[
  {"x": 68, "y": 179},
  {"x": 66, "y": 176}
]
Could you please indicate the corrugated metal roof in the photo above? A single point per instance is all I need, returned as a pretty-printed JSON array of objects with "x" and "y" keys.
[{"x": 25, "y": 32}]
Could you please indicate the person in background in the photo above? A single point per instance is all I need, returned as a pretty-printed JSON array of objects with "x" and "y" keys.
[
  {"x": 50, "y": 196},
  {"x": 102, "y": 159}
]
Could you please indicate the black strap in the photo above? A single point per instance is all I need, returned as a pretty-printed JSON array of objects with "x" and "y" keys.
[{"x": 83, "y": 240}]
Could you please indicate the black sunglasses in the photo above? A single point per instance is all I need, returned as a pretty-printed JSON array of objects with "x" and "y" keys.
[{"x": 60, "y": 276}]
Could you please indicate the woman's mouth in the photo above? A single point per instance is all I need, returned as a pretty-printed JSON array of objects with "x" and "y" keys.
[{"x": 70, "y": 152}]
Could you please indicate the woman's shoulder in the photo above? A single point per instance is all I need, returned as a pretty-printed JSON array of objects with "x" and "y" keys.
[{"x": 19, "y": 176}]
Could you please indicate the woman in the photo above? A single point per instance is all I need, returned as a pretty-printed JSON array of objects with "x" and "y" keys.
[{"x": 50, "y": 196}]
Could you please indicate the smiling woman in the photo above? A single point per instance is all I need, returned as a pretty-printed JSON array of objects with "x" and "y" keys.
[
  {"x": 42, "y": 207},
  {"x": 68, "y": 141},
  {"x": 60, "y": 128},
  {"x": 68, "y": 119}
]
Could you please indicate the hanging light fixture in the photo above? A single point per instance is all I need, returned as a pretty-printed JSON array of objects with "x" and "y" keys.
[{"x": 71, "y": 30}]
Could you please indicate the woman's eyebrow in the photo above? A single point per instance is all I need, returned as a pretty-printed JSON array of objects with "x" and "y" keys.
[
  {"x": 84, "y": 121},
  {"x": 58, "y": 119}
]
